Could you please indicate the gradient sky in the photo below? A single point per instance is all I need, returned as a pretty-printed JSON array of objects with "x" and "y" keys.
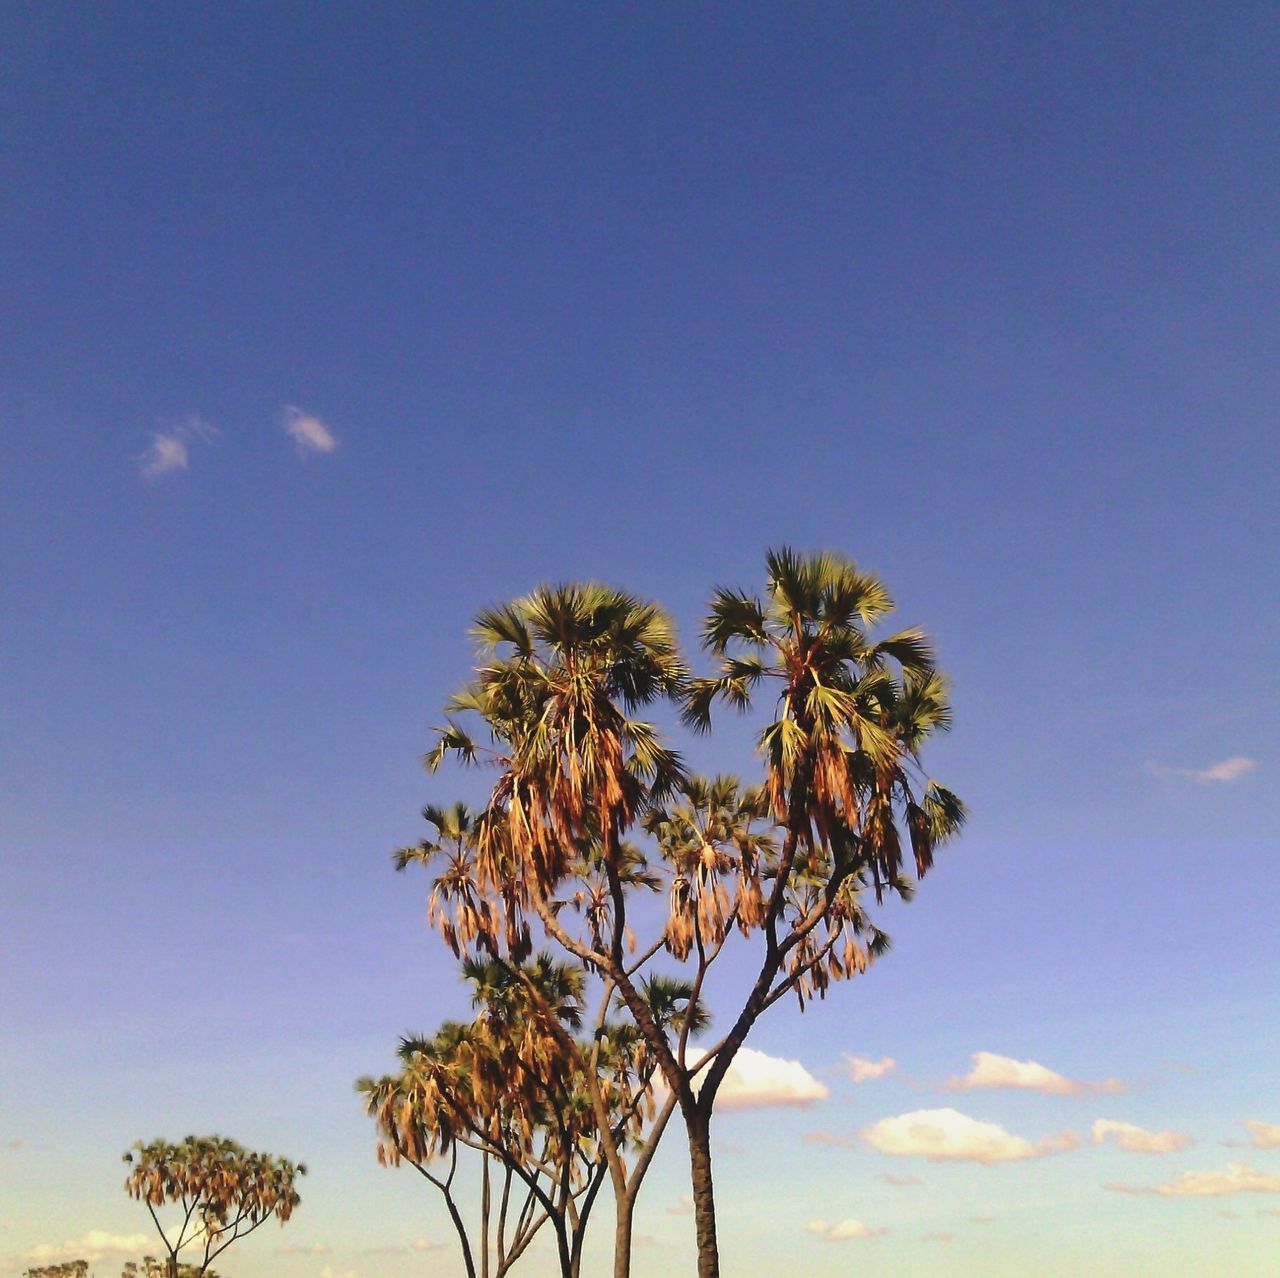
[{"x": 323, "y": 326}]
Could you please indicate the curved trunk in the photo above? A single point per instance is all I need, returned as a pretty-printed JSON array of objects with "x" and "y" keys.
[
  {"x": 460, "y": 1227},
  {"x": 704, "y": 1203}
]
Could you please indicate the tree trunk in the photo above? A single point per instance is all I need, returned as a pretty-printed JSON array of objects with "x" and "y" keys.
[
  {"x": 484, "y": 1217},
  {"x": 704, "y": 1203},
  {"x": 622, "y": 1237}
]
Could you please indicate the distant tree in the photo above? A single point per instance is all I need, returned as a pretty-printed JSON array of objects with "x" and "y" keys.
[
  {"x": 786, "y": 865},
  {"x": 217, "y": 1190},
  {"x": 69, "y": 1269},
  {"x": 150, "y": 1267}
]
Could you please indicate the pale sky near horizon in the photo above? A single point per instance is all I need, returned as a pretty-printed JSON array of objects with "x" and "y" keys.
[{"x": 323, "y": 327}]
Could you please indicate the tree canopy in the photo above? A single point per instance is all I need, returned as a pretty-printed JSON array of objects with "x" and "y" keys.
[
  {"x": 219, "y": 1191},
  {"x": 592, "y": 811}
]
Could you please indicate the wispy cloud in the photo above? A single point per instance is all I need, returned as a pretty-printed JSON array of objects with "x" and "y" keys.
[
  {"x": 316, "y": 1249},
  {"x": 91, "y": 1246},
  {"x": 940, "y": 1237},
  {"x": 1225, "y": 772},
  {"x": 947, "y": 1135},
  {"x": 1138, "y": 1140},
  {"x": 1234, "y": 1178},
  {"x": 829, "y": 1138},
  {"x": 862, "y": 1069},
  {"x": 308, "y": 432},
  {"x": 683, "y": 1208},
  {"x": 1263, "y": 1135},
  {"x": 170, "y": 450},
  {"x": 757, "y": 1081},
  {"x": 844, "y": 1230},
  {"x": 991, "y": 1070},
  {"x": 901, "y": 1182}
]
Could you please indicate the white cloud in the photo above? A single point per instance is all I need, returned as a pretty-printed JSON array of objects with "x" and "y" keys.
[
  {"x": 1263, "y": 1135},
  {"x": 851, "y": 1228},
  {"x": 309, "y": 433},
  {"x": 426, "y": 1244},
  {"x": 91, "y": 1246},
  {"x": 843, "y": 1230},
  {"x": 1138, "y": 1140},
  {"x": 991, "y": 1070},
  {"x": 757, "y": 1081},
  {"x": 1225, "y": 772},
  {"x": 1234, "y": 1178},
  {"x": 946, "y": 1134},
  {"x": 683, "y": 1208},
  {"x": 862, "y": 1069},
  {"x": 168, "y": 452}
]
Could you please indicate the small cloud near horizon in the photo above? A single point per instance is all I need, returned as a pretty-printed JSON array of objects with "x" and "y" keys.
[
  {"x": 863, "y": 1069},
  {"x": 308, "y": 432},
  {"x": 94, "y": 1245},
  {"x": 946, "y": 1135},
  {"x": 1138, "y": 1140},
  {"x": 940, "y": 1237},
  {"x": 829, "y": 1138},
  {"x": 1262, "y": 1135},
  {"x": 1225, "y": 772},
  {"x": 992, "y": 1070},
  {"x": 901, "y": 1182},
  {"x": 316, "y": 1249},
  {"x": 843, "y": 1230},
  {"x": 1234, "y": 1178},
  {"x": 169, "y": 451}
]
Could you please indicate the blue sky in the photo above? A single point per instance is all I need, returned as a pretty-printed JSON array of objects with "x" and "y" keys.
[{"x": 986, "y": 298}]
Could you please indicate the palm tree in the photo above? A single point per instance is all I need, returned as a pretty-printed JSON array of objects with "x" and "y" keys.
[
  {"x": 564, "y": 671},
  {"x": 850, "y": 718},
  {"x": 220, "y": 1190},
  {"x": 508, "y": 1087}
]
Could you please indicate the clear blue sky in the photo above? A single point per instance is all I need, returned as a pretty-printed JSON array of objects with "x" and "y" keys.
[{"x": 985, "y": 296}]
